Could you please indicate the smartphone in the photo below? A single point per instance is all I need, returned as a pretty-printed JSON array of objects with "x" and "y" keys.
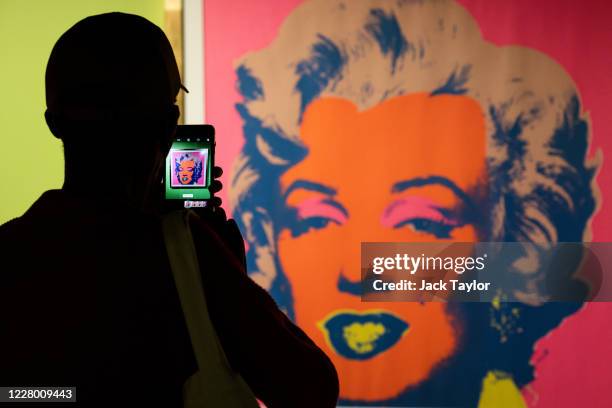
[{"x": 189, "y": 166}]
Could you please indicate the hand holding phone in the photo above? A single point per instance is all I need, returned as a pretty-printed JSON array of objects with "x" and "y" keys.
[{"x": 188, "y": 176}]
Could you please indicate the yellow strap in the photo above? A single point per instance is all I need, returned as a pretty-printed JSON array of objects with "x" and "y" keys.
[{"x": 215, "y": 384}]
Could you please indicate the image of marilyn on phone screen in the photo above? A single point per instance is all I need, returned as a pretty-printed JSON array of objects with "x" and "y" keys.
[{"x": 187, "y": 168}]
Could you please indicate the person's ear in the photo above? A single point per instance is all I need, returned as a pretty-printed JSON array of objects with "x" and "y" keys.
[
  {"x": 173, "y": 116},
  {"x": 53, "y": 123},
  {"x": 172, "y": 120},
  {"x": 170, "y": 123}
]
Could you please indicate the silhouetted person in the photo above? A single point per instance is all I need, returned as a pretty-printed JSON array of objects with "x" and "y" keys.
[{"x": 87, "y": 297}]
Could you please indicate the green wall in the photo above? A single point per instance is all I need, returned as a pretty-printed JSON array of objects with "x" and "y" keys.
[{"x": 31, "y": 159}]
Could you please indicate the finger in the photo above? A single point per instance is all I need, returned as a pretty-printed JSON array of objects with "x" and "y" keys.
[
  {"x": 217, "y": 214},
  {"x": 215, "y": 186},
  {"x": 216, "y": 203},
  {"x": 217, "y": 172}
]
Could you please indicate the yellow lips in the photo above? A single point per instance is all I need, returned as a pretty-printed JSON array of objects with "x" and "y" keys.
[{"x": 361, "y": 337}]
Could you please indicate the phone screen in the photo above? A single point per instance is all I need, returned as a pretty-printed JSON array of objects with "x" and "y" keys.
[{"x": 189, "y": 165}]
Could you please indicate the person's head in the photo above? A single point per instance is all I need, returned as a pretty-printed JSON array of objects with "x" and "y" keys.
[
  {"x": 111, "y": 87},
  {"x": 396, "y": 121}
]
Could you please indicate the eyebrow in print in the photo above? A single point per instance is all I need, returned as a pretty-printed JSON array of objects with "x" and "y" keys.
[
  {"x": 434, "y": 180},
  {"x": 319, "y": 188},
  {"x": 309, "y": 185}
]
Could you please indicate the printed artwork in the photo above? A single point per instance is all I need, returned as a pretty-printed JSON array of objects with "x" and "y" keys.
[
  {"x": 187, "y": 167},
  {"x": 399, "y": 121}
]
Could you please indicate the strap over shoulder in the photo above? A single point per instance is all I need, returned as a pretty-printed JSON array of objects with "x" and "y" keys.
[{"x": 215, "y": 384}]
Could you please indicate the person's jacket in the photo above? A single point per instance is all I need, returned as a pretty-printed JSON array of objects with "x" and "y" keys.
[{"x": 87, "y": 299}]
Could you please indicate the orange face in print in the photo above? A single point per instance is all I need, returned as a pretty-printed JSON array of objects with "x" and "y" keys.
[
  {"x": 398, "y": 172},
  {"x": 185, "y": 171}
]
